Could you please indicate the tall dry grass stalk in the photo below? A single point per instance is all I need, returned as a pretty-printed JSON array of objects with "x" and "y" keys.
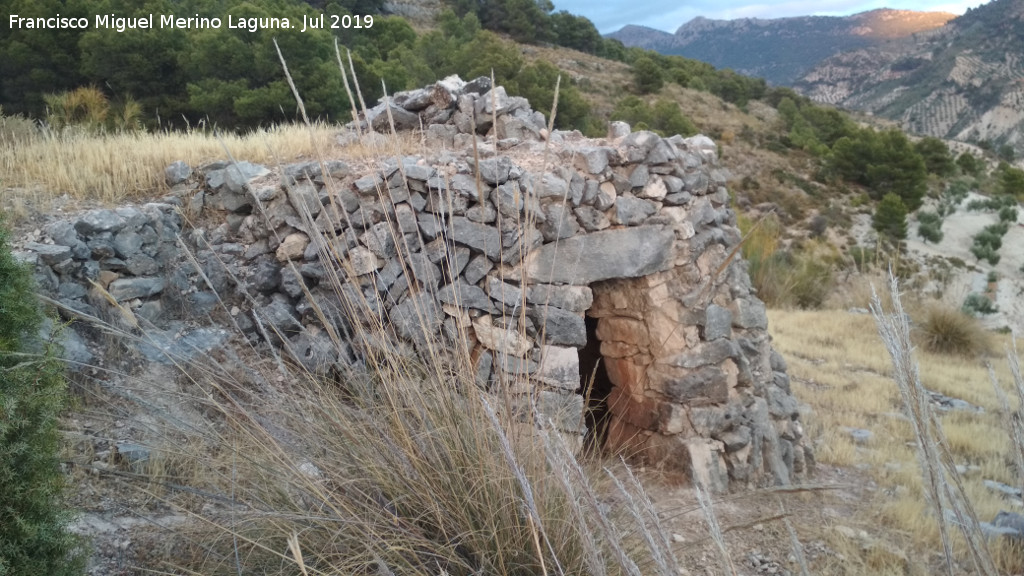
[
  {"x": 1012, "y": 418},
  {"x": 943, "y": 485}
]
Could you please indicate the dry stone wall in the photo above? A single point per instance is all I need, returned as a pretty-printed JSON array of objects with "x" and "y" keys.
[{"x": 503, "y": 232}]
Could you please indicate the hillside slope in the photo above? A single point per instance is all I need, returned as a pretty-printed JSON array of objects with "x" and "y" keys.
[
  {"x": 781, "y": 50},
  {"x": 964, "y": 81}
]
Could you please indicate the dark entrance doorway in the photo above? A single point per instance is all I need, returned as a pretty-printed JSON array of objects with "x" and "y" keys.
[{"x": 595, "y": 387}]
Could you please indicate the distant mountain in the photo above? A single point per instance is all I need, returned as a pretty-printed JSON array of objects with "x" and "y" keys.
[
  {"x": 781, "y": 50},
  {"x": 963, "y": 81}
]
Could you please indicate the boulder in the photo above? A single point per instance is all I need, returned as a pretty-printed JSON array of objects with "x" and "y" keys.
[{"x": 624, "y": 253}]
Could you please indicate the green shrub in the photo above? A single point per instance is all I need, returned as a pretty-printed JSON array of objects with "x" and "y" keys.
[
  {"x": 33, "y": 524},
  {"x": 647, "y": 76},
  {"x": 930, "y": 232},
  {"x": 1007, "y": 214},
  {"x": 985, "y": 252},
  {"x": 976, "y": 304},
  {"x": 945, "y": 330}
]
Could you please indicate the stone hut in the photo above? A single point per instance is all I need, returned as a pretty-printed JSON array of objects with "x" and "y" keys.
[{"x": 563, "y": 257}]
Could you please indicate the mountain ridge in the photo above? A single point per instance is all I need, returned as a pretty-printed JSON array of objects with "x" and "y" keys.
[
  {"x": 780, "y": 50},
  {"x": 963, "y": 81}
]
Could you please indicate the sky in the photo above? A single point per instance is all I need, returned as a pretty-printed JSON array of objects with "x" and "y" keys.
[{"x": 668, "y": 15}]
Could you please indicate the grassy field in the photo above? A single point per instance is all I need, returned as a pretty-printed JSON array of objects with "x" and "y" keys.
[{"x": 842, "y": 372}]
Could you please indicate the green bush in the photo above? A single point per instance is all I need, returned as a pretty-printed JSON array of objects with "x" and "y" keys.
[
  {"x": 647, "y": 76},
  {"x": 1007, "y": 214},
  {"x": 930, "y": 232},
  {"x": 33, "y": 524},
  {"x": 976, "y": 304}
]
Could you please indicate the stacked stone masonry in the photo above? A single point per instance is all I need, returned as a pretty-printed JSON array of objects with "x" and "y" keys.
[{"x": 633, "y": 231}]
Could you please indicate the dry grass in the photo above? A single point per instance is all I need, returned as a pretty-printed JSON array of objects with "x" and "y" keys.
[
  {"x": 841, "y": 370},
  {"x": 115, "y": 167}
]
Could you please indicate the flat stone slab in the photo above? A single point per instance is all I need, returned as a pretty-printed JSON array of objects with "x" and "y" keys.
[{"x": 624, "y": 253}]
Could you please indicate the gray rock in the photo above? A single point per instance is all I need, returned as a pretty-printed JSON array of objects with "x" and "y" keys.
[
  {"x": 315, "y": 351},
  {"x": 506, "y": 295},
  {"x": 423, "y": 270},
  {"x": 380, "y": 240},
  {"x": 63, "y": 233},
  {"x": 279, "y": 317},
  {"x": 559, "y": 368},
  {"x": 49, "y": 254},
  {"x": 717, "y": 322},
  {"x": 266, "y": 277},
  {"x": 369, "y": 184},
  {"x": 559, "y": 222},
  {"x": 143, "y": 265},
  {"x": 134, "y": 455},
  {"x": 130, "y": 288},
  {"x": 706, "y": 354},
  {"x": 97, "y": 221},
  {"x": 639, "y": 176},
  {"x": 858, "y": 435},
  {"x": 176, "y": 173},
  {"x": 606, "y": 195},
  {"x": 593, "y": 160},
  {"x": 495, "y": 170},
  {"x": 576, "y": 299},
  {"x": 736, "y": 439},
  {"x": 749, "y": 313},
  {"x": 430, "y": 224},
  {"x": 483, "y": 368},
  {"x": 708, "y": 383},
  {"x": 238, "y": 175},
  {"x": 1006, "y": 524},
  {"x": 560, "y": 327},
  {"x": 465, "y": 296},
  {"x": 591, "y": 219},
  {"x": 172, "y": 346},
  {"x": 625, "y": 253},
  {"x": 781, "y": 404},
  {"x": 127, "y": 243},
  {"x": 417, "y": 319},
  {"x": 403, "y": 119},
  {"x": 482, "y": 213},
  {"x": 551, "y": 186},
  {"x": 639, "y": 144},
  {"x": 479, "y": 237},
  {"x": 71, "y": 290},
  {"x": 476, "y": 269},
  {"x": 466, "y": 185},
  {"x": 631, "y": 211},
  {"x": 662, "y": 153},
  {"x": 305, "y": 199},
  {"x": 514, "y": 365},
  {"x": 291, "y": 282}
]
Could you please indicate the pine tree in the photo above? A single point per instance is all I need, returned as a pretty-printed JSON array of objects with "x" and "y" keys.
[
  {"x": 33, "y": 524},
  {"x": 890, "y": 220}
]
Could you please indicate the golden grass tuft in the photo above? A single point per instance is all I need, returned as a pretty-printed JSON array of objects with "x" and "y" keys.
[{"x": 942, "y": 329}]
